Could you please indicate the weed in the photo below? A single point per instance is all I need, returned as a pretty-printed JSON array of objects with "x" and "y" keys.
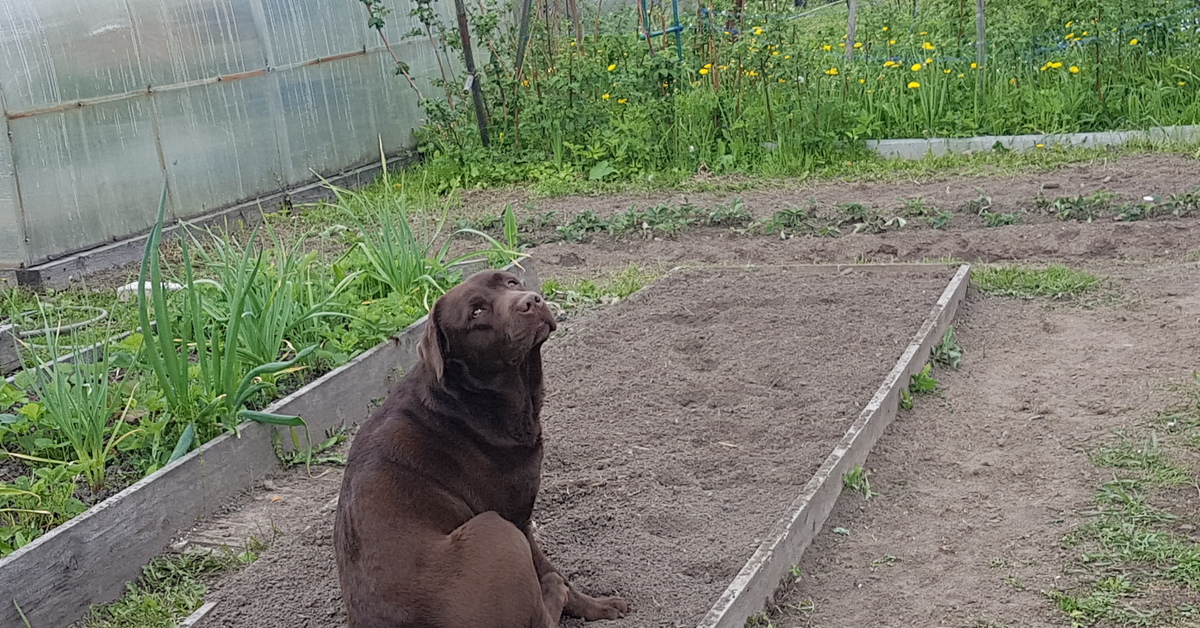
[
  {"x": 732, "y": 215},
  {"x": 793, "y": 219},
  {"x": 917, "y": 207},
  {"x": 906, "y": 400},
  {"x": 1055, "y": 282},
  {"x": 606, "y": 290},
  {"x": 1000, "y": 220},
  {"x": 857, "y": 480},
  {"x": 981, "y": 204},
  {"x": 884, "y": 561},
  {"x": 941, "y": 220},
  {"x": 948, "y": 352},
  {"x": 923, "y": 383},
  {"x": 1079, "y": 208}
]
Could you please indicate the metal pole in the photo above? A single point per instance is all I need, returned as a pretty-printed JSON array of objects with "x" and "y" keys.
[
  {"x": 523, "y": 38},
  {"x": 472, "y": 77},
  {"x": 980, "y": 34},
  {"x": 852, "y": 27}
]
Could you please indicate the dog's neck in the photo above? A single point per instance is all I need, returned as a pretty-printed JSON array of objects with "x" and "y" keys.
[{"x": 505, "y": 406}]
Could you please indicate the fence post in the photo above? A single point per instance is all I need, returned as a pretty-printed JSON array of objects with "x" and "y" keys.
[
  {"x": 980, "y": 34},
  {"x": 472, "y": 77},
  {"x": 852, "y": 27}
]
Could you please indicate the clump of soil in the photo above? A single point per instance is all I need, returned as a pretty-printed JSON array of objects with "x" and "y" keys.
[{"x": 680, "y": 423}]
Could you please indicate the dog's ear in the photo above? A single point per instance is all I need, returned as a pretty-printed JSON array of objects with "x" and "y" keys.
[{"x": 429, "y": 350}]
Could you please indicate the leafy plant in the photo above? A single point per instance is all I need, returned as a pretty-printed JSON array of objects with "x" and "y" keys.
[
  {"x": 923, "y": 382},
  {"x": 857, "y": 480},
  {"x": 941, "y": 219},
  {"x": 1000, "y": 220},
  {"x": 1056, "y": 281},
  {"x": 948, "y": 352}
]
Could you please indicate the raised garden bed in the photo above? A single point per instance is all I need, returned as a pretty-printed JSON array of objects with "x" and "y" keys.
[
  {"x": 87, "y": 560},
  {"x": 689, "y": 437}
]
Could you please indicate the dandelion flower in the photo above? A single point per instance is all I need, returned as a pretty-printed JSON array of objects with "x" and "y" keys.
[
  {"x": 928, "y": 46},
  {"x": 1134, "y": 41},
  {"x": 916, "y": 67},
  {"x": 832, "y": 71},
  {"x": 758, "y": 30},
  {"x": 890, "y": 64},
  {"x": 946, "y": 71},
  {"x": 885, "y": 29},
  {"x": 1055, "y": 64},
  {"x": 891, "y": 42},
  {"x": 962, "y": 75},
  {"x": 1071, "y": 23},
  {"x": 1074, "y": 69},
  {"x": 974, "y": 66},
  {"x": 827, "y": 47},
  {"x": 924, "y": 33},
  {"x": 612, "y": 67},
  {"x": 775, "y": 53},
  {"x": 858, "y": 44},
  {"x": 703, "y": 71},
  {"x": 1070, "y": 36},
  {"x": 1085, "y": 33},
  {"x": 606, "y": 96},
  {"x": 1182, "y": 83},
  {"x": 1041, "y": 146},
  {"x": 914, "y": 85},
  {"x": 861, "y": 81},
  {"x": 787, "y": 56},
  {"x": 621, "y": 101}
]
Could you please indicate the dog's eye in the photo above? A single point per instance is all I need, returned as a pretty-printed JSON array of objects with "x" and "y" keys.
[
  {"x": 514, "y": 283},
  {"x": 476, "y": 312}
]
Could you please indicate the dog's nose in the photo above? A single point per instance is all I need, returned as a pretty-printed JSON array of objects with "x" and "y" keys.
[{"x": 529, "y": 301}]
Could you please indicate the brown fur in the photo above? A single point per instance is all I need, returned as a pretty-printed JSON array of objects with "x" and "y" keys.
[{"x": 433, "y": 522}]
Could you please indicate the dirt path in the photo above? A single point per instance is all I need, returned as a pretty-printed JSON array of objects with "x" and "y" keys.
[{"x": 980, "y": 487}]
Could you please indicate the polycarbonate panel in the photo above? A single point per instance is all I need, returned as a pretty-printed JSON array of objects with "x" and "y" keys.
[
  {"x": 189, "y": 40},
  {"x": 12, "y": 250},
  {"x": 219, "y": 142},
  {"x": 26, "y": 69},
  {"x": 328, "y": 116},
  {"x": 88, "y": 175},
  {"x": 303, "y": 31},
  {"x": 91, "y": 47}
]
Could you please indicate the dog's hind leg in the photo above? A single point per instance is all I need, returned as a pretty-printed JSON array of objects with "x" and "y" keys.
[{"x": 490, "y": 578}]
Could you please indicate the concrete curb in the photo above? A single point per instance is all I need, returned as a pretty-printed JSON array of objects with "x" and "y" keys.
[
  {"x": 758, "y": 580},
  {"x": 88, "y": 560},
  {"x": 939, "y": 147}
]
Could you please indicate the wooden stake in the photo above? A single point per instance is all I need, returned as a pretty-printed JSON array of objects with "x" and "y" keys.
[{"x": 464, "y": 32}]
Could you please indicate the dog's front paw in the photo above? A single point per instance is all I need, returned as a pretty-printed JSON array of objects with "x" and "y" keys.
[{"x": 594, "y": 608}]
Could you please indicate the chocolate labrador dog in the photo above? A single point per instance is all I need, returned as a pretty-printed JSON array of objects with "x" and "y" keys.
[{"x": 433, "y": 521}]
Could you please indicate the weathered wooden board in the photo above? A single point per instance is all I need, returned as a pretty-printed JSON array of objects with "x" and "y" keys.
[
  {"x": 89, "y": 559},
  {"x": 762, "y": 574},
  {"x": 10, "y": 358}
]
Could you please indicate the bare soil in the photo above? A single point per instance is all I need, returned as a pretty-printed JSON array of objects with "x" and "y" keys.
[
  {"x": 981, "y": 485},
  {"x": 978, "y": 485},
  {"x": 680, "y": 423}
]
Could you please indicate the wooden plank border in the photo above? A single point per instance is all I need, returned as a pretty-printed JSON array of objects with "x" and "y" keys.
[
  {"x": 87, "y": 560},
  {"x": 758, "y": 580}
]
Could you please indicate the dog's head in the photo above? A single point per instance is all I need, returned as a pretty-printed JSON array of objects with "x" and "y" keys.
[{"x": 486, "y": 324}]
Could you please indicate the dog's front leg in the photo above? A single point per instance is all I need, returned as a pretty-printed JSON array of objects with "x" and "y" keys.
[{"x": 578, "y": 604}]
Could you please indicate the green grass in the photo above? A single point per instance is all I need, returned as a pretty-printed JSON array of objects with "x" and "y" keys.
[
  {"x": 1055, "y": 282},
  {"x": 170, "y": 588},
  {"x": 1133, "y": 563},
  {"x": 857, "y": 480},
  {"x": 603, "y": 290}
]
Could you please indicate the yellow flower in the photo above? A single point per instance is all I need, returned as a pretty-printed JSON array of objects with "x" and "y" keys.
[
  {"x": 861, "y": 81},
  {"x": 946, "y": 71},
  {"x": 1074, "y": 69},
  {"x": 832, "y": 71},
  {"x": 1182, "y": 83},
  {"x": 755, "y": 72},
  {"x": 782, "y": 80},
  {"x": 974, "y": 66},
  {"x": 1012, "y": 81},
  {"x": 724, "y": 67},
  {"x": 928, "y": 61},
  {"x": 1069, "y": 24},
  {"x": 858, "y": 44},
  {"x": 1055, "y": 64},
  {"x": 612, "y": 67},
  {"x": 775, "y": 53},
  {"x": 916, "y": 67},
  {"x": 1085, "y": 33},
  {"x": 961, "y": 75},
  {"x": 622, "y": 101},
  {"x": 891, "y": 42},
  {"x": 885, "y": 29},
  {"x": 1133, "y": 42},
  {"x": 914, "y": 85},
  {"x": 870, "y": 91},
  {"x": 827, "y": 47},
  {"x": 924, "y": 33},
  {"x": 758, "y": 30},
  {"x": 525, "y": 83},
  {"x": 890, "y": 64},
  {"x": 1041, "y": 146},
  {"x": 606, "y": 96},
  {"x": 1070, "y": 36},
  {"x": 703, "y": 70},
  {"x": 928, "y": 46},
  {"x": 787, "y": 56}
]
